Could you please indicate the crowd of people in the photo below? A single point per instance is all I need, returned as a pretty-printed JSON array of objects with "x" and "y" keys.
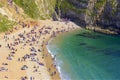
[{"x": 34, "y": 38}]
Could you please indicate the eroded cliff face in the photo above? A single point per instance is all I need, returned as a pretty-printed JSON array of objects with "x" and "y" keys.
[
  {"x": 110, "y": 16},
  {"x": 75, "y": 10},
  {"x": 15, "y": 11},
  {"x": 37, "y": 9},
  {"x": 86, "y": 13},
  {"x": 103, "y": 13}
]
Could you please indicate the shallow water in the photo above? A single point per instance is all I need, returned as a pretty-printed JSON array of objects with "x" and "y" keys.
[{"x": 87, "y": 55}]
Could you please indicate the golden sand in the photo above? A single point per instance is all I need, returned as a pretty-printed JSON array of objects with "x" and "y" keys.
[{"x": 29, "y": 51}]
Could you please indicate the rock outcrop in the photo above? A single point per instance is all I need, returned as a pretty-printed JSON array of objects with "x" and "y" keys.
[
  {"x": 98, "y": 13},
  {"x": 104, "y": 14}
]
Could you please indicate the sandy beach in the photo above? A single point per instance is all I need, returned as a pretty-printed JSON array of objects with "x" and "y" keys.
[{"x": 23, "y": 52}]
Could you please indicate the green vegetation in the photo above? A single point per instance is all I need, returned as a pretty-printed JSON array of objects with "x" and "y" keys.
[
  {"x": 114, "y": 5},
  {"x": 29, "y": 7},
  {"x": 51, "y": 6},
  {"x": 69, "y": 6},
  {"x": 1, "y": 4},
  {"x": 37, "y": 9},
  {"x": 46, "y": 8},
  {"x": 5, "y": 24},
  {"x": 97, "y": 6},
  {"x": 93, "y": 14},
  {"x": 100, "y": 3}
]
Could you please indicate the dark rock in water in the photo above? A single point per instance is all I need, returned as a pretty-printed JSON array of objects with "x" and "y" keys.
[
  {"x": 113, "y": 53},
  {"x": 110, "y": 52},
  {"x": 83, "y": 44},
  {"x": 89, "y": 35},
  {"x": 91, "y": 47}
]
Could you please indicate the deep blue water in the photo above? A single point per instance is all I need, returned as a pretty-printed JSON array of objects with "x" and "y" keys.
[{"x": 87, "y": 55}]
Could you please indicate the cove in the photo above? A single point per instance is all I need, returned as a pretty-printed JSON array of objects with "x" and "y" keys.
[{"x": 86, "y": 55}]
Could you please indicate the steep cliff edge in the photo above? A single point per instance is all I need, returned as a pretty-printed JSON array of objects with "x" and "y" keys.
[
  {"x": 34, "y": 9},
  {"x": 15, "y": 11},
  {"x": 37, "y": 9},
  {"x": 104, "y": 14}
]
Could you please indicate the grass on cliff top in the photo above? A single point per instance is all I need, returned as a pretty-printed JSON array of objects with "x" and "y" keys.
[
  {"x": 5, "y": 24},
  {"x": 29, "y": 7}
]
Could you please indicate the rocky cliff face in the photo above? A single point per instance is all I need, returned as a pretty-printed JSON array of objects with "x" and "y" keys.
[
  {"x": 110, "y": 16},
  {"x": 103, "y": 13},
  {"x": 86, "y": 13},
  {"x": 75, "y": 10}
]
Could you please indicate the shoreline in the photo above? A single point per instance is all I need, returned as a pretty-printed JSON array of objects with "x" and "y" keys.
[
  {"x": 31, "y": 52},
  {"x": 50, "y": 60},
  {"x": 51, "y": 66},
  {"x": 100, "y": 30},
  {"x": 25, "y": 46}
]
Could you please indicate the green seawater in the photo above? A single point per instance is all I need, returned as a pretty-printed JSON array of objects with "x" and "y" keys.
[{"x": 87, "y": 55}]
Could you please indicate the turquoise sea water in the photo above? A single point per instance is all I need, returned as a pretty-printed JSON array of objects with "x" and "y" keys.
[{"x": 87, "y": 55}]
